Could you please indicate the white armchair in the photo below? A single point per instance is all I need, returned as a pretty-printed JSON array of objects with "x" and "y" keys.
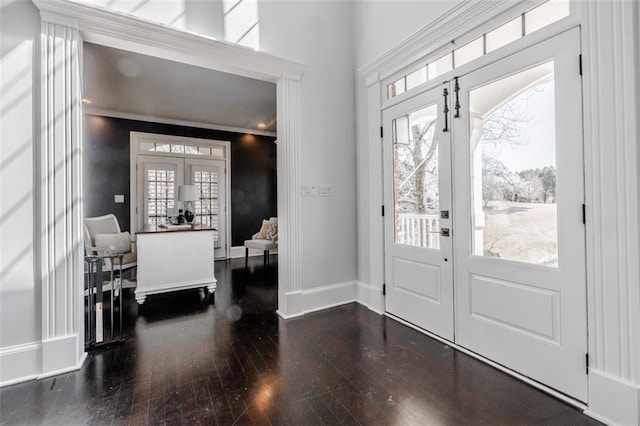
[
  {"x": 102, "y": 236},
  {"x": 265, "y": 240}
]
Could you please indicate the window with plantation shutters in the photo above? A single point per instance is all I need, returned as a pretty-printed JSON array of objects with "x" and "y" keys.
[
  {"x": 207, "y": 208},
  {"x": 160, "y": 199}
]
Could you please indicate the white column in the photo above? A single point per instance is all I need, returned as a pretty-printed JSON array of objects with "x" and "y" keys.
[
  {"x": 289, "y": 277},
  {"x": 60, "y": 199},
  {"x": 611, "y": 165}
]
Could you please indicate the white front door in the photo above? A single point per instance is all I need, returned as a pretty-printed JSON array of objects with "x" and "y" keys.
[
  {"x": 418, "y": 258},
  {"x": 518, "y": 214},
  {"x": 515, "y": 256}
]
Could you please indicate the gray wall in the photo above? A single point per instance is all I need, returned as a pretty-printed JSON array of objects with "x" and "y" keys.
[{"x": 106, "y": 171}]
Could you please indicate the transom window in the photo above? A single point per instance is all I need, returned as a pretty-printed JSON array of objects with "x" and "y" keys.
[{"x": 539, "y": 17}]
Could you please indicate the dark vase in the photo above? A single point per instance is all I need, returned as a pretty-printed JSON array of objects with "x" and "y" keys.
[
  {"x": 188, "y": 215},
  {"x": 180, "y": 217}
]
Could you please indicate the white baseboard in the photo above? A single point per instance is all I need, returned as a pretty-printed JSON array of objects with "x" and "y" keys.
[
  {"x": 238, "y": 251},
  {"x": 319, "y": 298},
  {"x": 613, "y": 401},
  {"x": 60, "y": 355},
  {"x": 370, "y": 297},
  {"x": 20, "y": 363}
]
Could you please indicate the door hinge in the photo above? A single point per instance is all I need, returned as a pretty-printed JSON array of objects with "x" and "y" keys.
[
  {"x": 586, "y": 356},
  {"x": 580, "y": 63},
  {"x": 381, "y": 132},
  {"x": 384, "y": 289},
  {"x": 584, "y": 214},
  {"x": 382, "y": 210}
]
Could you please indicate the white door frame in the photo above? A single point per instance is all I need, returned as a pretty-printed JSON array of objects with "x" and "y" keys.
[{"x": 65, "y": 25}]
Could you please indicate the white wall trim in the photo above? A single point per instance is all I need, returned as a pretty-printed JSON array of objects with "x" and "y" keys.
[
  {"x": 20, "y": 363},
  {"x": 289, "y": 274},
  {"x": 613, "y": 401},
  {"x": 370, "y": 297},
  {"x": 60, "y": 206},
  {"x": 152, "y": 119},
  {"x": 319, "y": 298},
  {"x": 612, "y": 187},
  {"x": 122, "y": 31},
  {"x": 438, "y": 36},
  {"x": 60, "y": 354}
]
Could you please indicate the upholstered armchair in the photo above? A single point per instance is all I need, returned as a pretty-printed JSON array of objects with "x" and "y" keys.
[
  {"x": 103, "y": 237},
  {"x": 265, "y": 240}
]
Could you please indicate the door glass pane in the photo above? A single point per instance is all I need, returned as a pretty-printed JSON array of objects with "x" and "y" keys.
[
  {"x": 415, "y": 180},
  {"x": 513, "y": 160}
]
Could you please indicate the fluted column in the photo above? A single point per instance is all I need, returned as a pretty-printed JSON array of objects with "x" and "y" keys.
[
  {"x": 289, "y": 278},
  {"x": 611, "y": 163},
  {"x": 60, "y": 195}
]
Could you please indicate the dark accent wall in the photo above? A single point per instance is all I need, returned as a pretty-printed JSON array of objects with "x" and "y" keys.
[{"x": 106, "y": 171}]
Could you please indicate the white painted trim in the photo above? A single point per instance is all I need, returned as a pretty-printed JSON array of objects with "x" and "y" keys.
[
  {"x": 20, "y": 363},
  {"x": 289, "y": 274},
  {"x": 292, "y": 302},
  {"x": 436, "y": 38},
  {"x": 612, "y": 190},
  {"x": 60, "y": 203},
  {"x": 238, "y": 251},
  {"x": 370, "y": 297},
  {"x": 60, "y": 354},
  {"x": 76, "y": 367},
  {"x": 88, "y": 110},
  {"x": 612, "y": 400},
  {"x": 493, "y": 364},
  {"x": 114, "y": 29},
  {"x": 320, "y": 298}
]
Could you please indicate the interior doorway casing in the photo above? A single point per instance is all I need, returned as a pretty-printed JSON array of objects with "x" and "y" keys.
[{"x": 74, "y": 23}]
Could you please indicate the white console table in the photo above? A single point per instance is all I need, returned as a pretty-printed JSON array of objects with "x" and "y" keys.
[{"x": 170, "y": 260}]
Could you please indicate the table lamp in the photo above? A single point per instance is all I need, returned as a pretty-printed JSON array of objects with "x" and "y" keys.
[{"x": 188, "y": 193}]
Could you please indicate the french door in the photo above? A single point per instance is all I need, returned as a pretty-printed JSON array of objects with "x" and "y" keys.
[
  {"x": 417, "y": 165},
  {"x": 210, "y": 210},
  {"x": 517, "y": 234}
]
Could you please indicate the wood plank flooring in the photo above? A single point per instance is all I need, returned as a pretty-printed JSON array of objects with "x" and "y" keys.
[{"x": 229, "y": 359}]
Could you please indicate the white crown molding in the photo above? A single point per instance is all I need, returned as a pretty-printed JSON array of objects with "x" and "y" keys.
[
  {"x": 185, "y": 123},
  {"x": 119, "y": 30},
  {"x": 439, "y": 35}
]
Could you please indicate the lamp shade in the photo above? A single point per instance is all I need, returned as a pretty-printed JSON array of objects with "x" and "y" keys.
[{"x": 188, "y": 193}]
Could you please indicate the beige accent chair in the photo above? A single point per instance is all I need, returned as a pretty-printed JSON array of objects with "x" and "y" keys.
[
  {"x": 103, "y": 237},
  {"x": 265, "y": 240}
]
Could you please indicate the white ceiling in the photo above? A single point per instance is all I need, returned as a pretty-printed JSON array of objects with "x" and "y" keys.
[{"x": 130, "y": 83}]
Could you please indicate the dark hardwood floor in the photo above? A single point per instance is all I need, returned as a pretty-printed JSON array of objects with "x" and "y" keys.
[{"x": 229, "y": 359}]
